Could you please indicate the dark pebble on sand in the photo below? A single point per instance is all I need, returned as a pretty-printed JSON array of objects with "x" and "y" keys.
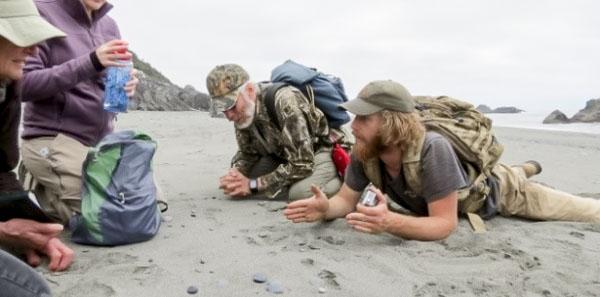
[
  {"x": 307, "y": 261},
  {"x": 326, "y": 274},
  {"x": 259, "y": 278},
  {"x": 192, "y": 290}
]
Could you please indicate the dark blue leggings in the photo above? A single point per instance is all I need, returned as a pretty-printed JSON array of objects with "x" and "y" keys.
[{"x": 17, "y": 279}]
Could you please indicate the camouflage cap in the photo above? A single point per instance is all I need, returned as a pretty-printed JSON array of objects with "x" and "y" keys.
[
  {"x": 223, "y": 83},
  {"x": 381, "y": 95}
]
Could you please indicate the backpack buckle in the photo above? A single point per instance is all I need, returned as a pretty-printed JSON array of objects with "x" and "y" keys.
[{"x": 121, "y": 198}]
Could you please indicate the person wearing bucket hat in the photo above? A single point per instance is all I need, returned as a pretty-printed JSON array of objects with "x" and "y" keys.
[
  {"x": 21, "y": 29},
  {"x": 63, "y": 92},
  {"x": 273, "y": 159},
  {"x": 390, "y": 138}
]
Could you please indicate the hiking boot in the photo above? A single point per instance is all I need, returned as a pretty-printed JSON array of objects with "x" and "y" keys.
[{"x": 531, "y": 168}]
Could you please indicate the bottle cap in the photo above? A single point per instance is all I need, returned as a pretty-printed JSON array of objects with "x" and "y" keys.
[{"x": 123, "y": 51}]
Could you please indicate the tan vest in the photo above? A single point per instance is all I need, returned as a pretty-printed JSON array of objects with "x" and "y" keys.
[{"x": 470, "y": 199}]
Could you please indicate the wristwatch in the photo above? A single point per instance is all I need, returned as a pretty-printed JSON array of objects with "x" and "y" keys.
[{"x": 253, "y": 183}]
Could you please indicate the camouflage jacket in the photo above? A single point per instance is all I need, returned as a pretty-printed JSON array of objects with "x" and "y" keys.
[{"x": 303, "y": 131}]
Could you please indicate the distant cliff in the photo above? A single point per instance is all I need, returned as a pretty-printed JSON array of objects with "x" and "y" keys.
[
  {"x": 590, "y": 114},
  {"x": 503, "y": 109},
  {"x": 155, "y": 92}
]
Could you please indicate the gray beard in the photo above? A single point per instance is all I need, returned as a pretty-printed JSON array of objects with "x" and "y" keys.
[{"x": 249, "y": 113}]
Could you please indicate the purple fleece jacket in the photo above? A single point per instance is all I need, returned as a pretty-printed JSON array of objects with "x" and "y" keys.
[{"x": 62, "y": 89}]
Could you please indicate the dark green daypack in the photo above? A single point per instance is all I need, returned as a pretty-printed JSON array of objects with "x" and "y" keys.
[{"x": 119, "y": 194}]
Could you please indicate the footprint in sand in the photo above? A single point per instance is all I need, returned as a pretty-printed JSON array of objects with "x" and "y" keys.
[
  {"x": 90, "y": 288},
  {"x": 436, "y": 288},
  {"x": 99, "y": 259},
  {"x": 577, "y": 234},
  {"x": 329, "y": 278}
]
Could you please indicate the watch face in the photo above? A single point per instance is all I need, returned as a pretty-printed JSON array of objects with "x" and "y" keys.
[{"x": 253, "y": 184}]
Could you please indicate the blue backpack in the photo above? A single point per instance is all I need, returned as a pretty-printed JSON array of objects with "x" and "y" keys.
[
  {"x": 119, "y": 195},
  {"x": 326, "y": 91}
]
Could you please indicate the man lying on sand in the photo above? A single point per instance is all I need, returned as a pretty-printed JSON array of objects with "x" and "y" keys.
[{"x": 387, "y": 127}]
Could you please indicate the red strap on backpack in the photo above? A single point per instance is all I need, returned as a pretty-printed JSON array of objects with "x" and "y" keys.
[{"x": 341, "y": 159}]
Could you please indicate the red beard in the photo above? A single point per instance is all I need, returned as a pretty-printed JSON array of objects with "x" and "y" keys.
[{"x": 365, "y": 151}]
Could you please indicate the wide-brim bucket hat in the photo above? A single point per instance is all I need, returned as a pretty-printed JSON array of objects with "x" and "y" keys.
[{"x": 21, "y": 23}]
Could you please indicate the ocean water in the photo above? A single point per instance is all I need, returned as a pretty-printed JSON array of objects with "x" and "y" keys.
[{"x": 531, "y": 120}]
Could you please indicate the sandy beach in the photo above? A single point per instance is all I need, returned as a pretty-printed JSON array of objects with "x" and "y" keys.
[{"x": 217, "y": 244}]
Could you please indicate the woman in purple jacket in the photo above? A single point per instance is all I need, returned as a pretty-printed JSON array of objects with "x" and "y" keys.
[{"x": 63, "y": 92}]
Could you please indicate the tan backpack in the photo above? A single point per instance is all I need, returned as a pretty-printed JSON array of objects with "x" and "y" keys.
[{"x": 470, "y": 134}]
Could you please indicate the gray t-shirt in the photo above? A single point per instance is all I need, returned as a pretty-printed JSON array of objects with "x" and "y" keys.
[{"x": 442, "y": 175}]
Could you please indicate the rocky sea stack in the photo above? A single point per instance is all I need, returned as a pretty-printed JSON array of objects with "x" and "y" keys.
[
  {"x": 590, "y": 114},
  {"x": 556, "y": 117},
  {"x": 155, "y": 92}
]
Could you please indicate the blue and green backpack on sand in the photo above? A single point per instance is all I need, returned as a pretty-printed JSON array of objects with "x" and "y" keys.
[{"x": 119, "y": 194}]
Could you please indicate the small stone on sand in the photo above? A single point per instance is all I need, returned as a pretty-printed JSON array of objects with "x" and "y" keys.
[
  {"x": 192, "y": 290},
  {"x": 259, "y": 278}
]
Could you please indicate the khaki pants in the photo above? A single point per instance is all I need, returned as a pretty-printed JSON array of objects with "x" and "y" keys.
[
  {"x": 56, "y": 165},
  {"x": 324, "y": 175},
  {"x": 529, "y": 199}
]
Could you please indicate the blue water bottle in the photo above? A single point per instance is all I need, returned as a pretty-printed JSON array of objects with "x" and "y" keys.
[{"x": 115, "y": 97}]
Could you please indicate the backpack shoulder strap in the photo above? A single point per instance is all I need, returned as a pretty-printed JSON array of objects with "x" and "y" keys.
[
  {"x": 412, "y": 165},
  {"x": 373, "y": 172},
  {"x": 269, "y": 98}
]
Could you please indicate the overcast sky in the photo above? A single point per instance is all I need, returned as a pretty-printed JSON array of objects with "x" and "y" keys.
[{"x": 533, "y": 54}]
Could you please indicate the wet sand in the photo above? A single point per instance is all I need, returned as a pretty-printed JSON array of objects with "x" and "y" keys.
[{"x": 217, "y": 244}]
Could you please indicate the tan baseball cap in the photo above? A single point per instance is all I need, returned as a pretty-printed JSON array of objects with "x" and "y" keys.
[
  {"x": 223, "y": 83},
  {"x": 381, "y": 95},
  {"x": 21, "y": 23}
]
